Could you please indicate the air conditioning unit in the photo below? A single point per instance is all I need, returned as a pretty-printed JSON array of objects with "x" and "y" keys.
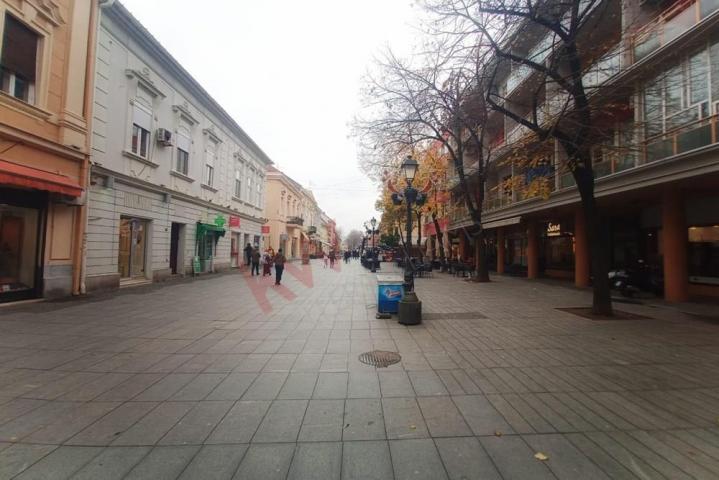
[{"x": 164, "y": 137}]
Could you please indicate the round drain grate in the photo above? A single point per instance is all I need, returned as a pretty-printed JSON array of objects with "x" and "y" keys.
[{"x": 380, "y": 359}]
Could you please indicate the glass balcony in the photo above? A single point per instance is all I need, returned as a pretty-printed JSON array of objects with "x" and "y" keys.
[
  {"x": 669, "y": 25},
  {"x": 603, "y": 69},
  {"x": 518, "y": 75},
  {"x": 689, "y": 137}
]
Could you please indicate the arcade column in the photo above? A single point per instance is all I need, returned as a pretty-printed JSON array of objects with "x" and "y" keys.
[
  {"x": 674, "y": 240},
  {"x": 462, "y": 245},
  {"x": 581, "y": 250},
  {"x": 532, "y": 250}
]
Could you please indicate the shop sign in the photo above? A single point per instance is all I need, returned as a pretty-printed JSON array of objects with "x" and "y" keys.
[
  {"x": 265, "y": 229},
  {"x": 219, "y": 221},
  {"x": 234, "y": 221},
  {"x": 554, "y": 229}
]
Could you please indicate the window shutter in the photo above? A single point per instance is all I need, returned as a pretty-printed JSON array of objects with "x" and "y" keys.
[
  {"x": 183, "y": 142},
  {"x": 142, "y": 117}
]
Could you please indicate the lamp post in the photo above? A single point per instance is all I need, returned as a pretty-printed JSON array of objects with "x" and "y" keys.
[
  {"x": 410, "y": 308},
  {"x": 372, "y": 231},
  {"x": 373, "y": 222}
]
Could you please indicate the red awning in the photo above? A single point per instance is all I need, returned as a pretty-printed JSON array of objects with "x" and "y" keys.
[{"x": 28, "y": 177}]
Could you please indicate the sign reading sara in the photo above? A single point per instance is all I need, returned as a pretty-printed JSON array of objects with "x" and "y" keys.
[{"x": 554, "y": 229}]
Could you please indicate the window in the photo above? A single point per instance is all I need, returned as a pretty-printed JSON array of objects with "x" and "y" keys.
[
  {"x": 141, "y": 125},
  {"x": 680, "y": 95},
  {"x": 18, "y": 60},
  {"x": 249, "y": 187},
  {"x": 259, "y": 193},
  {"x": 210, "y": 165},
  {"x": 238, "y": 182},
  {"x": 183, "y": 152}
]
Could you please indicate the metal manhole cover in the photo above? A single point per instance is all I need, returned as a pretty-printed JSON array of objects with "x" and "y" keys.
[{"x": 379, "y": 358}]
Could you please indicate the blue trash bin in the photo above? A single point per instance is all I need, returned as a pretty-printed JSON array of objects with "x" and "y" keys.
[{"x": 390, "y": 290}]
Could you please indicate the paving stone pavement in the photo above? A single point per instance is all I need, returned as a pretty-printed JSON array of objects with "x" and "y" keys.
[{"x": 193, "y": 380}]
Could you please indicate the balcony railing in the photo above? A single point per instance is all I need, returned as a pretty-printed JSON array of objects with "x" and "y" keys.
[
  {"x": 295, "y": 220},
  {"x": 691, "y": 136},
  {"x": 669, "y": 25},
  {"x": 494, "y": 202}
]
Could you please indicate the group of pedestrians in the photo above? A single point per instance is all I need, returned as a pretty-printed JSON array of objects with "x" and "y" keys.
[
  {"x": 329, "y": 258},
  {"x": 351, "y": 255},
  {"x": 254, "y": 258}
]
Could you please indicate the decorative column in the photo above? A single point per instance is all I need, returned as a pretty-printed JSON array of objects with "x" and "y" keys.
[
  {"x": 674, "y": 239},
  {"x": 500, "y": 250},
  {"x": 532, "y": 250},
  {"x": 581, "y": 250}
]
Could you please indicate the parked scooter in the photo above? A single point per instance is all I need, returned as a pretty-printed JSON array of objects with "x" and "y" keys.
[{"x": 642, "y": 278}]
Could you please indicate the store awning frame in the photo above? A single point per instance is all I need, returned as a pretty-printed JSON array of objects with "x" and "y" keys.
[
  {"x": 17, "y": 175},
  {"x": 205, "y": 228}
]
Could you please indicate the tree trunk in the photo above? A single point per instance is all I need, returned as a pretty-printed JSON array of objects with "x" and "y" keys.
[
  {"x": 598, "y": 246},
  {"x": 440, "y": 239},
  {"x": 480, "y": 258}
]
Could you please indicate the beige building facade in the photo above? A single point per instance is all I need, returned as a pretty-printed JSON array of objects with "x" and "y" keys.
[
  {"x": 177, "y": 185},
  {"x": 283, "y": 210}
]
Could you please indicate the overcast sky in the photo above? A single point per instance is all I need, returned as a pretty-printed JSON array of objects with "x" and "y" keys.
[{"x": 289, "y": 72}]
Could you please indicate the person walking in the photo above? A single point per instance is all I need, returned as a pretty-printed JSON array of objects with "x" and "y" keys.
[
  {"x": 248, "y": 254},
  {"x": 325, "y": 259},
  {"x": 332, "y": 259},
  {"x": 266, "y": 264},
  {"x": 255, "y": 261},
  {"x": 279, "y": 262}
]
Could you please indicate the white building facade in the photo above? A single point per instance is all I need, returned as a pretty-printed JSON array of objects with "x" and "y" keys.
[{"x": 177, "y": 187}]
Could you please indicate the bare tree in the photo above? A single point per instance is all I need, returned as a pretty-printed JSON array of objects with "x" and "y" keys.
[
  {"x": 430, "y": 98},
  {"x": 564, "y": 47},
  {"x": 354, "y": 239}
]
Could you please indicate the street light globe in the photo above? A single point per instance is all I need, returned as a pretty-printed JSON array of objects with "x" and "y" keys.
[
  {"x": 373, "y": 222},
  {"x": 409, "y": 168}
]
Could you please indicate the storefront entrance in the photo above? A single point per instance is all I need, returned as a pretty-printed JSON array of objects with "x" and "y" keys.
[
  {"x": 20, "y": 244},
  {"x": 235, "y": 250},
  {"x": 208, "y": 235},
  {"x": 133, "y": 244}
]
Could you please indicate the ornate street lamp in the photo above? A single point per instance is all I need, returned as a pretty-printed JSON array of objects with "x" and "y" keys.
[
  {"x": 410, "y": 308},
  {"x": 372, "y": 231}
]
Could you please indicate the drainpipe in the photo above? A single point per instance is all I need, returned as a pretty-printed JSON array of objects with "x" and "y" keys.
[{"x": 79, "y": 287}]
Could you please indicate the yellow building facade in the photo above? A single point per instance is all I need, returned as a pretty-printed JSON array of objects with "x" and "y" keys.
[{"x": 45, "y": 111}]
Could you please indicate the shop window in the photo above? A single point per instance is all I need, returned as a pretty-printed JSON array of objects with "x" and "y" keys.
[
  {"x": 141, "y": 126},
  {"x": 18, "y": 249},
  {"x": 18, "y": 60},
  {"x": 183, "y": 152},
  {"x": 704, "y": 254}
]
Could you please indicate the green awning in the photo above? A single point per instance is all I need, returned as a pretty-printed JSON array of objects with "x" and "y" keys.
[{"x": 208, "y": 228}]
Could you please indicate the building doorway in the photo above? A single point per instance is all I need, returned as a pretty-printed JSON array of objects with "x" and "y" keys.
[
  {"x": 133, "y": 244},
  {"x": 176, "y": 235}
]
